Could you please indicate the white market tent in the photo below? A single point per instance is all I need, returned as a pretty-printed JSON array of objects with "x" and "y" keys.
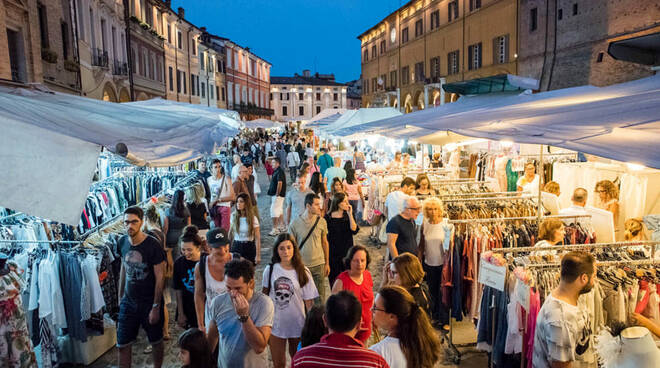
[
  {"x": 227, "y": 117},
  {"x": 50, "y": 144},
  {"x": 261, "y": 123},
  {"x": 351, "y": 121},
  {"x": 325, "y": 117},
  {"x": 619, "y": 122}
]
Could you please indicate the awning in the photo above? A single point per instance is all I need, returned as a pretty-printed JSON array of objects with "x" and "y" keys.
[
  {"x": 229, "y": 118},
  {"x": 641, "y": 50},
  {"x": 50, "y": 144},
  {"x": 620, "y": 122},
  {"x": 351, "y": 121},
  {"x": 325, "y": 117},
  {"x": 496, "y": 83},
  {"x": 261, "y": 123}
]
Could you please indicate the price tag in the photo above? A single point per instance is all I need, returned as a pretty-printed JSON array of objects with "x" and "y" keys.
[
  {"x": 521, "y": 291},
  {"x": 491, "y": 275}
]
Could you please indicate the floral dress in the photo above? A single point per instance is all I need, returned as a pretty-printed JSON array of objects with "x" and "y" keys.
[{"x": 15, "y": 345}]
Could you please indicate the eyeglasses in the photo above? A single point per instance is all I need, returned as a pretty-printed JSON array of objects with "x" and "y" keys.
[
  {"x": 131, "y": 222},
  {"x": 374, "y": 309},
  {"x": 414, "y": 208}
]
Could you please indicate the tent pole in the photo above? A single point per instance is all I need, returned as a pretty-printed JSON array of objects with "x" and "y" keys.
[{"x": 541, "y": 174}]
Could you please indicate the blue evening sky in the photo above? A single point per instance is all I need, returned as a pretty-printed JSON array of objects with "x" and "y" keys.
[{"x": 319, "y": 35}]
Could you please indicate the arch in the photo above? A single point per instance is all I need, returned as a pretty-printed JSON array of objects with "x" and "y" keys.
[
  {"x": 408, "y": 104},
  {"x": 368, "y": 104},
  {"x": 436, "y": 97},
  {"x": 395, "y": 102},
  {"x": 109, "y": 93},
  {"x": 454, "y": 97},
  {"x": 142, "y": 96},
  {"x": 124, "y": 96},
  {"x": 420, "y": 101}
]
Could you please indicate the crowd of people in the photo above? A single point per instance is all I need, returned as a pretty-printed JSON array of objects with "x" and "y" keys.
[{"x": 317, "y": 302}]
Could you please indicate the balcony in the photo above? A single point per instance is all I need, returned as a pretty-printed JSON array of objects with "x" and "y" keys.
[
  {"x": 252, "y": 109},
  {"x": 390, "y": 89},
  {"x": 99, "y": 58},
  {"x": 119, "y": 68},
  {"x": 146, "y": 33}
]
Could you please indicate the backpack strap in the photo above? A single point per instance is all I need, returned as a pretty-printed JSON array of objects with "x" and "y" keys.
[
  {"x": 202, "y": 270},
  {"x": 266, "y": 290}
]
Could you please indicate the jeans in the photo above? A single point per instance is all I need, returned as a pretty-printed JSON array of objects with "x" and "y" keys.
[
  {"x": 132, "y": 315},
  {"x": 292, "y": 172},
  {"x": 319, "y": 280},
  {"x": 439, "y": 311}
]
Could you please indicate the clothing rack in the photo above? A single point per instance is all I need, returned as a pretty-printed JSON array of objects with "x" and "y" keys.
[
  {"x": 182, "y": 183},
  {"x": 498, "y": 219},
  {"x": 13, "y": 215},
  {"x": 506, "y": 194},
  {"x": 517, "y": 198},
  {"x": 577, "y": 246},
  {"x": 41, "y": 241},
  {"x": 638, "y": 262}
]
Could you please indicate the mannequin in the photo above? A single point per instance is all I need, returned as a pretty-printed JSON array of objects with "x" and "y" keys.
[{"x": 634, "y": 347}]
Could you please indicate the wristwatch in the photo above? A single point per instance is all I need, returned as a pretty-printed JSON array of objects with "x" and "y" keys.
[
  {"x": 243, "y": 319},
  {"x": 155, "y": 305}
]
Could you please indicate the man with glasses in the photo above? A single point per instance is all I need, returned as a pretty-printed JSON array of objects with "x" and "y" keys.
[
  {"x": 402, "y": 230},
  {"x": 141, "y": 283}
]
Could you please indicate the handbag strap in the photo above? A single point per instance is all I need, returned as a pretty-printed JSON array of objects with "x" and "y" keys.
[{"x": 302, "y": 244}]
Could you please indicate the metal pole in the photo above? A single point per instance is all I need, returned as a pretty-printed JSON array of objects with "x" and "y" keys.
[{"x": 539, "y": 206}]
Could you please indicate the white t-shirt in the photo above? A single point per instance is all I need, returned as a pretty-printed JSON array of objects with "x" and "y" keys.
[
  {"x": 390, "y": 349},
  {"x": 394, "y": 203},
  {"x": 433, "y": 236},
  {"x": 531, "y": 187},
  {"x": 289, "y": 300},
  {"x": 214, "y": 186},
  {"x": 293, "y": 159},
  {"x": 309, "y": 152},
  {"x": 243, "y": 229}
]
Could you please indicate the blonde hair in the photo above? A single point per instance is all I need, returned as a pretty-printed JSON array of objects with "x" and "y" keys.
[
  {"x": 432, "y": 201},
  {"x": 409, "y": 268},
  {"x": 609, "y": 188},
  {"x": 548, "y": 228},
  {"x": 633, "y": 227},
  {"x": 551, "y": 187}
]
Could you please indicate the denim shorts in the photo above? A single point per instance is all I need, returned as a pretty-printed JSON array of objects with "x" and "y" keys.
[{"x": 132, "y": 315}]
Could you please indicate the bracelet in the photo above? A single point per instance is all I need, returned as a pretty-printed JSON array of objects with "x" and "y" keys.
[{"x": 243, "y": 319}]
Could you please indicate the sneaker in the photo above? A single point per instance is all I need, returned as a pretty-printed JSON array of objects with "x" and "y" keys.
[
  {"x": 148, "y": 350},
  {"x": 283, "y": 230},
  {"x": 274, "y": 232}
]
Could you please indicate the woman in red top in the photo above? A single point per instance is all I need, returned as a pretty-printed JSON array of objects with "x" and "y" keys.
[{"x": 357, "y": 279}]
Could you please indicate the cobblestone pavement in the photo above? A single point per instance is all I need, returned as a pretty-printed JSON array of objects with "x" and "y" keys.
[{"x": 464, "y": 332}]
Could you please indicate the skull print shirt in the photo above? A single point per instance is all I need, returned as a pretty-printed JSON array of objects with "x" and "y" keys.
[
  {"x": 288, "y": 299},
  {"x": 139, "y": 261}
]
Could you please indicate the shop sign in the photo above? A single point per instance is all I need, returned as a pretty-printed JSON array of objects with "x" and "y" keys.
[{"x": 492, "y": 275}]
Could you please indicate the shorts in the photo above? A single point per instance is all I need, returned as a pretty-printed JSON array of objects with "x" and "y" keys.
[
  {"x": 277, "y": 207},
  {"x": 132, "y": 315}
]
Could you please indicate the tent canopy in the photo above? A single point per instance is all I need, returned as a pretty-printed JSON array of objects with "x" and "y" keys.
[
  {"x": 620, "y": 122},
  {"x": 261, "y": 123},
  {"x": 51, "y": 143},
  {"x": 325, "y": 117},
  {"x": 227, "y": 117},
  {"x": 351, "y": 121}
]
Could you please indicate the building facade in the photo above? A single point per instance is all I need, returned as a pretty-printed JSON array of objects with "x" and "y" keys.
[
  {"x": 213, "y": 43},
  {"x": 354, "y": 94},
  {"x": 147, "y": 52},
  {"x": 410, "y": 54},
  {"x": 181, "y": 57},
  {"x": 101, "y": 34},
  {"x": 38, "y": 44},
  {"x": 247, "y": 81},
  {"x": 303, "y": 96},
  {"x": 564, "y": 43}
]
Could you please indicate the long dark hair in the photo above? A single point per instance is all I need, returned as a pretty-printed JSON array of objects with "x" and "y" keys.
[
  {"x": 315, "y": 183},
  {"x": 296, "y": 260},
  {"x": 348, "y": 165},
  {"x": 417, "y": 338},
  {"x": 314, "y": 327},
  {"x": 179, "y": 205},
  {"x": 247, "y": 212},
  {"x": 194, "y": 341},
  {"x": 350, "y": 176},
  {"x": 337, "y": 198}
]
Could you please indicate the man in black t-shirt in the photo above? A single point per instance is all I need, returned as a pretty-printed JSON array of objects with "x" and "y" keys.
[
  {"x": 277, "y": 190},
  {"x": 140, "y": 289},
  {"x": 402, "y": 230}
]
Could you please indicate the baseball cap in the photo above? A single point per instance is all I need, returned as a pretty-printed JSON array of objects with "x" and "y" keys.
[{"x": 217, "y": 237}]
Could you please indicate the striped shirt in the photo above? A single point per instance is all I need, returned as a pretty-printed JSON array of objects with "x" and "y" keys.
[{"x": 338, "y": 350}]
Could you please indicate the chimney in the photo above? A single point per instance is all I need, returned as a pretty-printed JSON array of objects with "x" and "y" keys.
[
  {"x": 181, "y": 12},
  {"x": 203, "y": 29},
  {"x": 168, "y": 3},
  {"x": 306, "y": 73}
]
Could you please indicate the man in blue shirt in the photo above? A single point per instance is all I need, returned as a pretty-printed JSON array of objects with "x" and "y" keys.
[{"x": 324, "y": 161}]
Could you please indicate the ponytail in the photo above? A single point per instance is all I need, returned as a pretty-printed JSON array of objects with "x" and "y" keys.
[{"x": 418, "y": 341}]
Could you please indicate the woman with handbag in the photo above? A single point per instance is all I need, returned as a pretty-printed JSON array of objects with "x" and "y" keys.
[{"x": 222, "y": 194}]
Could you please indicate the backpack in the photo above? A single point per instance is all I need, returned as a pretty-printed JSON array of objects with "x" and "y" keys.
[{"x": 202, "y": 266}]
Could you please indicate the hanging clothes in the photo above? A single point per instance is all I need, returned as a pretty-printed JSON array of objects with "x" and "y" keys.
[{"x": 15, "y": 346}]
